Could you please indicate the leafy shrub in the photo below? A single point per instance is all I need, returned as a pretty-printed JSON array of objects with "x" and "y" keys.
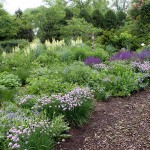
[
  {"x": 46, "y": 81},
  {"x": 110, "y": 49},
  {"x": 8, "y": 45},
  {"x": 99, "y": 53},
  {"x": 18, "y": 64},
  {"x": 125, "y": 81},
  {"x": 76, "y": 73},
  {"x": 79, "y": 53},
  {"x": 66, "y": 56},
  {"x": 47, "y": 58},
  {"x": 8, "y": 80}
]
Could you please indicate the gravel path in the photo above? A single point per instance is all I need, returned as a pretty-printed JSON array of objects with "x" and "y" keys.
[{"x": 117, "y": 124}]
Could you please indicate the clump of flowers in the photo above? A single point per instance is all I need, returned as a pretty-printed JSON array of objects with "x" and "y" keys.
[
  {"x": 144, "y": 67},
  {"x": 27, "y": 101},
  {"x": 123, "y": 56},
  {"x": 74, "y": 98},
  {"x": 55, "y": 43},
  {"x": 144, "y": 55},
  {"x": 100, "y": 66},
  {"x": 21, "y": 134},
  {"x": 92, "y": 61},
  {"x": 68, "y": 101},
  {"x": 76, "y": 42}
]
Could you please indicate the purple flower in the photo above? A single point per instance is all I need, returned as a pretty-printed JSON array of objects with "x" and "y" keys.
[
  {"x": 144, "y": 55},
  {"x": 92, "y": 60},
  {"x": 144, "y": 67},
  {"x": 123, "y": 56}
]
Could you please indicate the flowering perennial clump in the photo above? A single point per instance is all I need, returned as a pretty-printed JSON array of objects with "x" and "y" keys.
[
  {"x": 55, "y": 43},
  {"x": 100, "y": 66},
  {"x": 123, "y": 56},
  {"x": 74, "y": 98},
  {"x": 76, "y": 42},
  {"x": 22, "y": 133},
  {"x": 92, "y": 61},
  {"x": 25, "y": 99},
  {"x": 68, "y": 101},
  {"x": 145, "y": 66},
  {"x": 144, "y": 55}
]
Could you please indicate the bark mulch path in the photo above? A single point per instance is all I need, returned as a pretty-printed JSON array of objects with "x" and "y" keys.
[{"x": 117, "y": 124}]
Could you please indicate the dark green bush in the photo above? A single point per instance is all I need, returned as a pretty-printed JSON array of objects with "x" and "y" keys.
[{"x": 8, "y": 45}]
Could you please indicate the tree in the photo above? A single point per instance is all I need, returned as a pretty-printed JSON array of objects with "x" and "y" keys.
[
  {"x": 84, "y": 14},
  {"x": 97, "y": 19},
  {"x": 78, "y": 27},
  {"x": 121, "y": 16},
  {"x": 110, "y": 20},
  {"x": 8, "y": 26},
  {"x": 50, "y": 22},
  {"x": 25, "y": 29}
]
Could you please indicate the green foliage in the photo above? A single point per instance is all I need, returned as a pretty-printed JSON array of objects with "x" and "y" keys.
[
  {"x": 8, "y": 45},
  {"x": 80, "y": 114},
  {"x": 110, "y": 20},
  {"x": 121, "y": 16},
  {"x": 38, "y": 141},
  {"x": 66, "y": 56},
  {"x": 49, "y": 20},
  {"x": 78, "y": 27},
  {"x": 125, "y": 81},
  {"x": 8, "y": 84},
  {"x": 98, "y": 52},
  {"x": 8, "y": 80},
  {"x": 25, "y": 30},
  {"x": 145, "y": 14},
  {"x": 84, "y": 14},
  {"x": 46, "y": 81},
  {"x": 98, "y": 19},
  {"x": 76, "y": 73},
  {"x": 46, "y": 139},
  {"x": 8, "y": 26},
  {"x": 79, "y": 53},
  {"x": 110, "y": 49},
  {"x": 18, "y": 64}
]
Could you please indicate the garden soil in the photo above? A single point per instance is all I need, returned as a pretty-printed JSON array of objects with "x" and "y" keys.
[{"x": 116, "y": 124}]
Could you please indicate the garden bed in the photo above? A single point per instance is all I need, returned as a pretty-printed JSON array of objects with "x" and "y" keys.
[{"x": 118, "y": 123}]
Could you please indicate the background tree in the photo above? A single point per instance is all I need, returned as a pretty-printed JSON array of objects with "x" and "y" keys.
[
  {"x": 84, "y": 14},
  {"x": 78, "y": 27},
  {"x": 97, "y": 19},
  {"x": 8, "y": 27},
  {"x": 121, "y": 17},
  {"x": 110, "y": 20},
  {"x": 25, "y": 29}
]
